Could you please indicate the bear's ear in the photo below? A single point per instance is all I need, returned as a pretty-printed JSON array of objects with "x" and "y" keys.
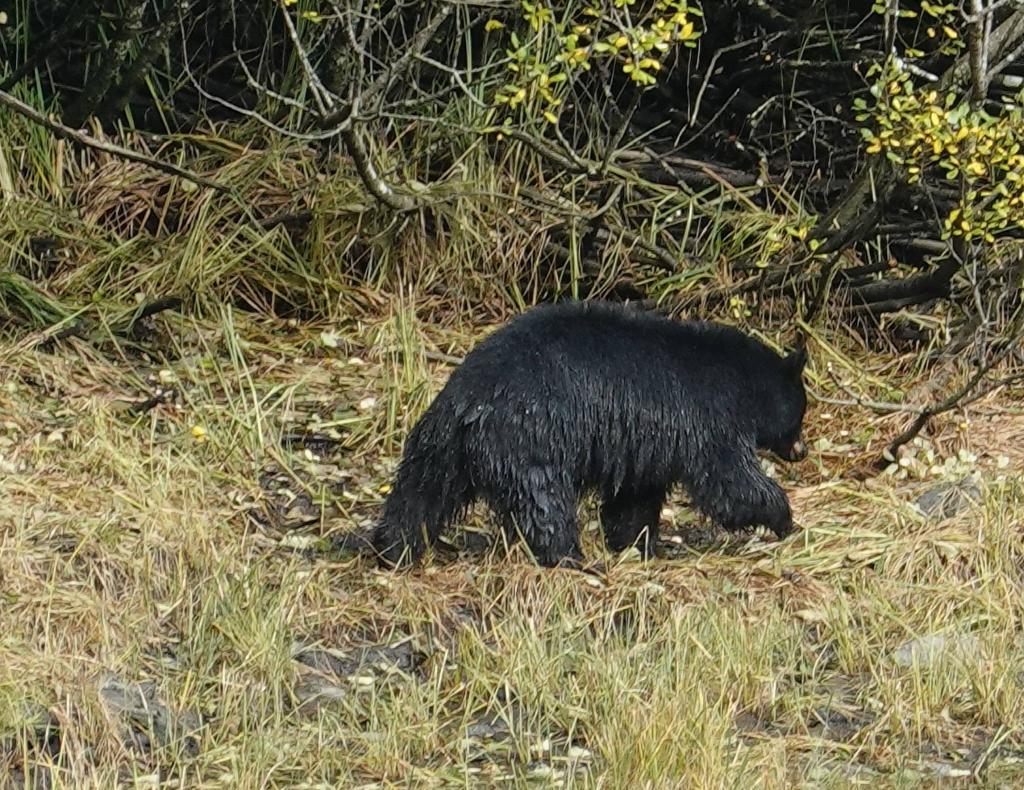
[{"x": 797, "y": 358}]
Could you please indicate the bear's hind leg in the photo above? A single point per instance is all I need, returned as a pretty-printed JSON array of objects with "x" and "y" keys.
[
  {"x": 632, "y": 518},
  {"x": 735, "y": 493}
]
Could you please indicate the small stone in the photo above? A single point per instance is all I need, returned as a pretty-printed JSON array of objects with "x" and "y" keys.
[
  {"x": 330, "y": 338},
  {"x": 294, "y": 540},
  {"x": 948, "y": 499},
  {"x": 927, "y": 650},
  {"x": 314, "y": 693},
  {"x": 541, "y": 771},
  {"x": 946, "y": 770}
]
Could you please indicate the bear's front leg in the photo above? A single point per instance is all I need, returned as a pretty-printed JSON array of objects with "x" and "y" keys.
[{"x": 732, "y": 490}]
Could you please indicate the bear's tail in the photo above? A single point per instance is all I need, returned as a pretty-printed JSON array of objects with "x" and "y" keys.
[{"x": 431, "y": 488}]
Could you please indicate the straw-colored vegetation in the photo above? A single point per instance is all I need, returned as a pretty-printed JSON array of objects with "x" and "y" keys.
[{"x": 182, "y": 604}]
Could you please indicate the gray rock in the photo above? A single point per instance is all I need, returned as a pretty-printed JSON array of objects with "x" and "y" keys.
[
  {"x": 948, "y": 499},
  {"x": 927, "y": 650},
  {"x": 402, "y": 656},
  {"x": 145, "y": 718},
  {"x": 314, "y": 692},
  {"x": 489, "y": 728}
]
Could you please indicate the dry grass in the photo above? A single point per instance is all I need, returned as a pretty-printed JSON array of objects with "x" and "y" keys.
[
  {"x": 181, "y": 607},
  {"x": 133, "y": 552}
]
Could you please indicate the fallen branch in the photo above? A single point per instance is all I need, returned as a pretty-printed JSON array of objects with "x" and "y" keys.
[
  {"x": 962, "y": 397},
  {"x": 67, "y": 133},
  {"x": 150, "y": 309}
]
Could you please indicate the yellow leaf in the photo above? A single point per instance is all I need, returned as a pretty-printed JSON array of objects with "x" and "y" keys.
[
  {"x": 493, "y": 24},
  {"x": 550, "y": 116}
]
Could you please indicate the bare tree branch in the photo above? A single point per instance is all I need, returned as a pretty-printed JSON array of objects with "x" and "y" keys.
[
  {"x": 89, "y": 141},
  {"x": 322, "y": 96},
  {"x": 373, "y": 181},
  {"x": 967, "y": 394},
  {"x": 977, "y": 42},
  {"x": 1004, "y": 39}
]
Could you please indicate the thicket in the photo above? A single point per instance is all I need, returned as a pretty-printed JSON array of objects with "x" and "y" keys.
[{"x": 856, "y": 162}]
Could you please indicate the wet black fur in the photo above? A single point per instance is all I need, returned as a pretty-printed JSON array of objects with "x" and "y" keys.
[{"x": 596, "y": 396}]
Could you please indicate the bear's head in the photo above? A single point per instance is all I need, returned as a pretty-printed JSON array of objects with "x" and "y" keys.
[{"x": 780, "y": 415}]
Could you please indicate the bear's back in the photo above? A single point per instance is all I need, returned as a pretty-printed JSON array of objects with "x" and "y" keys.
[{"x": 594, "y": 334}]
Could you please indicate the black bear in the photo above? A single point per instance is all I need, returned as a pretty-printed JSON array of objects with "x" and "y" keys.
[{"x": 596, "y": 396}]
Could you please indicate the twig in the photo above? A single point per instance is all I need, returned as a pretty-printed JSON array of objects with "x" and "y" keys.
[
  {"x": 89, "y": 141},
  {"x": 543, "y": 149},
  {"x": 342, "y": 114},
  {"x": 151, "y": 309},
  {"x": 161, "y": 397},
  {"x": 977, "y": 40},
  {"x": 880, "y": 407},
  {"x": 1004, "y": 39},
  {"x": 323, "y": 98},
  {"x": 437, "y": 356},
  {"x": 961, "y": 397},
  {"x": 620, "y": 133},
  {"x": 373, "y": 181},
  {"x": 824, "y": 285}
]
